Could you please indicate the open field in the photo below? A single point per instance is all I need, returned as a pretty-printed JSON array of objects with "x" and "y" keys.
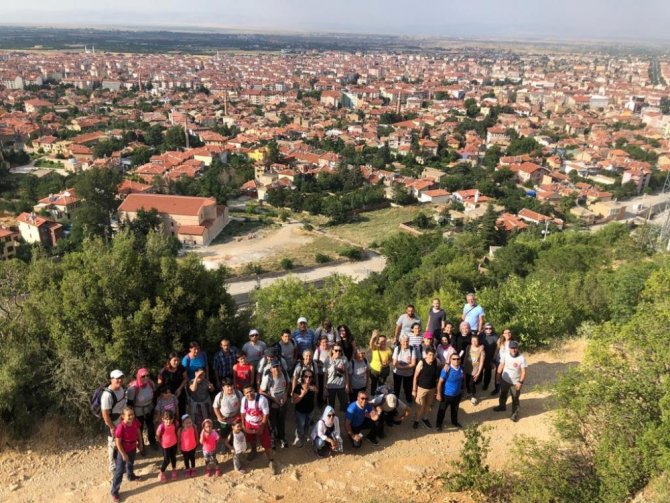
[{"x": 375, "y": 226}]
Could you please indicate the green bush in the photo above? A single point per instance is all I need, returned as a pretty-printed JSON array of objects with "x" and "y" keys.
[
  {"x": 286, "y": 264},
  {"x": 320, "y": 258},
  {"x": 351, "y": 252}
]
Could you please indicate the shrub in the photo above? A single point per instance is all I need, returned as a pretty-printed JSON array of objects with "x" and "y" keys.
[
  {"x": 320, "y": 258},
  {"x": 252, "y": 268},
  {"x": 351, "y": 252},
  {"x": 286, "y": 264}
]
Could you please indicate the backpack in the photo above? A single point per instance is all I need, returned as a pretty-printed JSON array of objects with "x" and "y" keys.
[{"x": 96, "y": 406}]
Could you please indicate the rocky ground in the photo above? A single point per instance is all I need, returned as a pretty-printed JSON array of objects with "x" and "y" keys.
[{"x": 405, "y": 466}]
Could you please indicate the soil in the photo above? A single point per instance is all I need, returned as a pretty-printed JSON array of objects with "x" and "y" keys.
[{"x": 405, "y": 466}]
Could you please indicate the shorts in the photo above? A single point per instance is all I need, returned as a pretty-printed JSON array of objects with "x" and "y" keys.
[
  {"x": 425, "y": 396},
  {"x": 263, "y": 438}
]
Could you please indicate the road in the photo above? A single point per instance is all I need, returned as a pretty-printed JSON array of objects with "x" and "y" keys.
[{"x": 356, "y": 270}]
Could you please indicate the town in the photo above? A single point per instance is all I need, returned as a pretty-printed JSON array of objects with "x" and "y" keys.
[{"x": 543, "y": 140}]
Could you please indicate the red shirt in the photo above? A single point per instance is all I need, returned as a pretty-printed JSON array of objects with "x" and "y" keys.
[
  {"x": 242, "y": 375},
  {"x": 129, "y": 435}
]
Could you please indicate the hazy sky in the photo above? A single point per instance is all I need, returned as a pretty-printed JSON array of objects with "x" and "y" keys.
[{"x": 621, "y": 19}]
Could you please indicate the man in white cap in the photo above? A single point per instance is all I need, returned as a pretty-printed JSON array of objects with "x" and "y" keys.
[
  {"x": 304, "y": 337},
  {"x": 112, "y": 402},
  {"x": 255, "y": 348}
]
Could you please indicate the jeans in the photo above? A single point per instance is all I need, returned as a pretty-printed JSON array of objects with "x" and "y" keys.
[
  {"x": 324, "y": 448},
  {"x": 301, "y": 425},
  {"x": 406, "y": 382},
  {"x": 448, "y": 401},
  {"x": 506, "y": 387},
  {"x": 120, "y": 467},
  {"x": 341, "y": 396}
]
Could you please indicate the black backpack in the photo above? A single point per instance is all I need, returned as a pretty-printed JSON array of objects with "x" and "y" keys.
[{"x": 96, "y": 406}]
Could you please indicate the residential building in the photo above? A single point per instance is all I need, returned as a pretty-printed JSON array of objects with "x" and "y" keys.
[
  {"x": 36, "y": 229},
  {"x": 9, "y": 242}
]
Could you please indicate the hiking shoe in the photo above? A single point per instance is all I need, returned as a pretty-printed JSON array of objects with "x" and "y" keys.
[
  {"x": 474, "y": 401},
  {"x": 415, "y": 425},
  {"x": 499, "y": 408},
  {"x": 162, "y": 477},
  {"x": 515, "y": 417},
  {"x": 174, "y": 475},
  {"x": 427, "y": 423}
]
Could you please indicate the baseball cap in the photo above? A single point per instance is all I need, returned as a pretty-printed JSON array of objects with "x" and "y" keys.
[
  {"x": 253, "y": 331},
  {"x": 115, "y": 374},
  {"x": 513, "y": 344},
  {"x": 275, "y": 363},
  {"x": 302, "y": 319},
  {"x": 488, "y": 325},
  {"x": 390, "y": 402}
]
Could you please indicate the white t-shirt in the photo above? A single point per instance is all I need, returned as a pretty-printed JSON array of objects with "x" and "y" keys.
[
  {"x": 106, "y": 403},
  {"x": 274, "y": 386},
  {"x": 249, "y": 410},
  {"x": 228, "y": 404},
  {"x": 512, "y": 369},
  {"x": 239, "y": 442}
]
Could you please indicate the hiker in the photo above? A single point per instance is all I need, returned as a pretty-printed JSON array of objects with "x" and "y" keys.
[
  {"x": 128, "y": 439},
  {"x": 112, "y": 403},
  {"x": 512, "y": 372}
]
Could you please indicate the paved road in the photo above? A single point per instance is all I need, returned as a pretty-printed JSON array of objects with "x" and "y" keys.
[{"x": 355, "y": 270}]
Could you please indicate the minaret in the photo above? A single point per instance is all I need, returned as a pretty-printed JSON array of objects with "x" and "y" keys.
[
  {"x": 397, "y": 108},
  {"x": 225, "y": 103},
  {"x": 186, "y": 132}
]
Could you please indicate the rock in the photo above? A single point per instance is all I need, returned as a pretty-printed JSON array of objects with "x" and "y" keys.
[
  {"x": 14, "y": 487},
  {"x": 295, "y": 475},
  {"x": 415, "y": 469}
]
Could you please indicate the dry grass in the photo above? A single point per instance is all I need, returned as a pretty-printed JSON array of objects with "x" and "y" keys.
[{"x": 375, "y": 226}]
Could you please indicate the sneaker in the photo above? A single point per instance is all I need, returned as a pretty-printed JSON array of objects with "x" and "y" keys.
[
  {"x": 474, "y": 401},
  {"x": 218, "y": 472},
  {"x": 495, "y": 392},
  {"x": 208, "y": 472},
  {"x": 175, "y": 475},
  {"x": 427, "y": 423},
  {"x": 132, "y": 477},
  {"x": 243, "y": 471},
  {"x": 515, "y": 417},
  {"x": 116, "y": 498},
  {"x": 297, "y": 442},
  {"x": 499, "y": 408},
  {"x": 439, "y": 428},
  {"x": 415, "y": 425},
  {"x": 457, "y": 424},
  {"x": 162, "y": 477},
  {"x": 284, "y": 444},
  {"x": 373, "y": 440}
]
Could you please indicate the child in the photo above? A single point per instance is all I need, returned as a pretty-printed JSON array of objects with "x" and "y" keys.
[
  {"x": 209, "y": 439},
  {"x": 187, "y": 444},
  {"x": 166, "y": 401},
  {"x": 237, "y": 443},
  {"x": 128, "y": 439},
  {"x": 166, "y": 433},
  {"x": 243, "y": 372}
]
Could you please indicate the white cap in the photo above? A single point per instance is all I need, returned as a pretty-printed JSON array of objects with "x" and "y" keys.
[
  {"x": 302, "y": 319},
  {"x": 253, "y": 331},
  {"x": 115, "y": 374},
  {"x": 390, "y": 403}
]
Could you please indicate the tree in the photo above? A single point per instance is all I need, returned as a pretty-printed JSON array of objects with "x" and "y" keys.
[
  {"x": 97, "y": 190},
  {"x": 154, "y": 136},
  {"x": 488, "y": 232},
  {"x": 402, "y": 196},
  {"x": 174, "y": 138}
]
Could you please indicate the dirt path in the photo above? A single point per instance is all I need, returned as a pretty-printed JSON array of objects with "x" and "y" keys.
[{"x": 402, "y": 468}]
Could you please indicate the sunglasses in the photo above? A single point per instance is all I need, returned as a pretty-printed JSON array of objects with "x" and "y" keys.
[
  {"x": 330, "y": 415},
  {"x": 308, "y": 377},
  {"x": 455, "y": 359},
  {"x": 337, "y": 350}
]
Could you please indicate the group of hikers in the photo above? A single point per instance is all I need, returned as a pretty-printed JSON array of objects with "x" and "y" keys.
[{"x": 240, "y": 398}]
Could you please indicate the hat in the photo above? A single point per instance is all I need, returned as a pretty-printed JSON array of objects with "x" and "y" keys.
[
  {"x": 488, "y": 325},
  {"x": 253, "y": 331},
  {"x": 275, "y": 363},
  {"x": 302, "y": 319},
  {"x": 116, "y": 374},
  {"x": 390, "y": 402},
  {"x": 427, "y": 335},
  {"x": 513, "y": 345}
]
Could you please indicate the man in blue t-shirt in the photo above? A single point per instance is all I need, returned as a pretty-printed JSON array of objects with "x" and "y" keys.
[
  {"x": 361, "y": 416},
  {"x": 449, "y": 389},
  {"x": 304, "y": 337},
  {"x": 473, "y": 313}
]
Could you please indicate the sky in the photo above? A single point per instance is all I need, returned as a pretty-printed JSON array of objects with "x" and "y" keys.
[{"x": 551, "y": 19}]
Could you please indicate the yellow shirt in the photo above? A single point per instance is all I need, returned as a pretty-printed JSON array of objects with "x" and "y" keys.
[{"x": 380, "y": 358}]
